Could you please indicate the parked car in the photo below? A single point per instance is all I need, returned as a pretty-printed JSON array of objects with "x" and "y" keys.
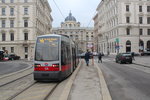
[
  {"x": 145, "y": 53},
  {"x": 1, "y": 54},
  {"x": 123, "y": 58},
  {"x": 5, "y": 58},
  {"x": 13, "y": 57},
  {"x": 135, "y": 54},
  {"x": 95, "y": 54},
  {"x": 82, "y": 55}
]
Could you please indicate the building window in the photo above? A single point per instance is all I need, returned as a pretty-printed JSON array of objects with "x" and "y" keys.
[
  {"x": 3, "y": 11},
  {"x": 140, "y": 8},
  {"x": 140, "y": 20},
  {"x": 141, "y": 31},
  {"x": 11, "y": 1},
  {"x": 3, "y": 23},
  {"x": 127, "y": 19},
  {"x": 26, "y": 56},
  {"x": 4, "y": 48},
  {"x": 92, "y": 37},
  {"x": 3, "y": 1},
  {"x": 148, "y": 8},
  {"x": 11, "y": 23},
  {"x": 25, "y": 23},
  {"x": 25, "y": 36},
  {"x": 26, "y": 49},
  {"x": 12, "y": 49},
  {"x": 148, "y": 20},
  {"x": 128, "y": 31},
  {"x": 11, "y": 11},
  {"x": 70, "y": 25},
  {"x": 3, "y": 37},
  {"x": 87, "y": 38},
  {"x": 25, "y": 11},
  {"x": 11, "y": 36},
  {"x": 127, "y": 8},
  {"x": 148, "y": 31}
]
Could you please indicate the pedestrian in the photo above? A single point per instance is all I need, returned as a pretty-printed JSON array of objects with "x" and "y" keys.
[
  {"x": 99, "y": 57},
  {"x": 132, "y": 54},
  {"x": 87, "y": 57}
]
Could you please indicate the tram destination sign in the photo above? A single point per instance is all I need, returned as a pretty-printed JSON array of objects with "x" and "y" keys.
[{"x": 47, "y": 39}]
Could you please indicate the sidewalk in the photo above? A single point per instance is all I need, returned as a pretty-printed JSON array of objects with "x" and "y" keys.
[
  {"x": 86, "y": 85},
  {"x": 142, "y": 60}
]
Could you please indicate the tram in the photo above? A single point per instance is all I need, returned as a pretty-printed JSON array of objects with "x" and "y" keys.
[{"x": 55, "y": 57}]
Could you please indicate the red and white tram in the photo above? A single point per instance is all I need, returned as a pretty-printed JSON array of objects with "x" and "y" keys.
[{"x": 55, "y": 57}]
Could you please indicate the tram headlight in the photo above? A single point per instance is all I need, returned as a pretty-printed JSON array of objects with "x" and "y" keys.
[
  {"x": 37, "y": 65},
  {"x": 55, "y": 65}
]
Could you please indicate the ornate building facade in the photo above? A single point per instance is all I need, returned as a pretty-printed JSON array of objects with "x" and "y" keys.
[
  {"x": 123, "y": 26},
  {"x": 82, "y": 36},
  {"x": 21, "y": 21}
]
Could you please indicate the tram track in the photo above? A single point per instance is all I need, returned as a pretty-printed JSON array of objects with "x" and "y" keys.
[
  {"x": 1, "y": 85},
  {"x": 25, "y": 83},
  {"x": 31, "y": 93},
  {"x": 15, "y": 76},
  {"x": 18, "y": 93}
]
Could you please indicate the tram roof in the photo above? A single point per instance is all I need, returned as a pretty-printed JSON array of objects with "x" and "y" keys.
[{"x": 53, "y": 35}]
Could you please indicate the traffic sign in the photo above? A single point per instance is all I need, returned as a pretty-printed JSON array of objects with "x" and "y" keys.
[{"x": 117, "y": 40}]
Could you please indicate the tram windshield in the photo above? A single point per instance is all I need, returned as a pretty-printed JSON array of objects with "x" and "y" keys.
[{"x": 47, "y": 49}]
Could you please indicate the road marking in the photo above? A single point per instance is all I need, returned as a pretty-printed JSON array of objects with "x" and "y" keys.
[{"x": 105, "y": 92}]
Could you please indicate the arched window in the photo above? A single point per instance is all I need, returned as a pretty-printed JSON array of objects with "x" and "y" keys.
[
  {"x": 70, "y": 25},
  {"x": 148, "y": 45},
  {"x": 141, "y": 45},
  {"x": 128, "y": 46}
]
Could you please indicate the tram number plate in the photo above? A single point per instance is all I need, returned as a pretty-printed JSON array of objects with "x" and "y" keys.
[
  {"x": 45, "y": 75},
  {"x": 46, "y": 68}
]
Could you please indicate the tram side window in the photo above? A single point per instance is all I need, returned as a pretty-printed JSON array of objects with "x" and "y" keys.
[
  {"x": 63, "y": 53},
  {"x": 68, "y": 54}
]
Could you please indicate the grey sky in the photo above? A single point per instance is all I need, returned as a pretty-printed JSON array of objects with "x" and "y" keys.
[{"x": 82, "y": 10}]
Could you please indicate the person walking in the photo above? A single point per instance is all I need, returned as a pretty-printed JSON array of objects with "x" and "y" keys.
[
  {"x": 99, "y": 57},
  {"x": 132, "y": 54},
  {"x": 87, "y": 57}
]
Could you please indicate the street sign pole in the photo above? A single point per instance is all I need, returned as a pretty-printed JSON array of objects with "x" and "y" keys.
[{"x": 117, "y": 45}]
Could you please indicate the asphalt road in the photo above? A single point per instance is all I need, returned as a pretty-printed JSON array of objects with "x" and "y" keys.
[
  {"x": 11, "y": 66},
  {"x": 127, "y": 81}
]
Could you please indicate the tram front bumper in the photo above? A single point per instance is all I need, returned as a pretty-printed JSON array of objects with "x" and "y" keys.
[{"x": 47, "y": 75}]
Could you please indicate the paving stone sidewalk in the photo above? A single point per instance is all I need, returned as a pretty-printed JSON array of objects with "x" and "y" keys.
[
  {"x": 86, "y": 85},
  {"x": 142, "y": 60}
]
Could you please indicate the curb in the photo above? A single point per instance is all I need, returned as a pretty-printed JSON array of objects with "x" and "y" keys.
[
  {"x": 104, "y": 89},
  {"x": 141, "y": 65},
  {"x": 67, "y": 89}
]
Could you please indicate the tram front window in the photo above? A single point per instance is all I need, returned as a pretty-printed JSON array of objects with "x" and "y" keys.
[{"x": 47, "y": 49}]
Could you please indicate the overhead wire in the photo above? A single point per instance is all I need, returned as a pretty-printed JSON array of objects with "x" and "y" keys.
[
  {"x": 58, "y": 9},
  {"x": 91, "y": 19}
]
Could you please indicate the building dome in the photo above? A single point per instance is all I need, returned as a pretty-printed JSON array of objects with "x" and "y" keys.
[{"x": 70, "y": 18}]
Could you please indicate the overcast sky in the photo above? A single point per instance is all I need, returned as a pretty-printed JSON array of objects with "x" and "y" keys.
[{"x": 82, "y": 10}]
